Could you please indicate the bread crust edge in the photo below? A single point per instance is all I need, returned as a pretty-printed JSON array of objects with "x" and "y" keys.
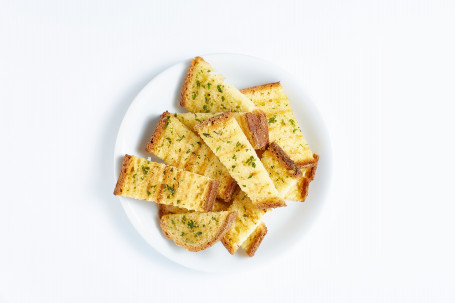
[
  {"x": 221, "y": 232},
  {"x": 251, "y": 250},
  {"x": 158, "y": 132},
  {"x": 258, "y": 127},
  {"x": 188, "y": 81},
  {"x": 123, "y": 173},
  {"x": 283, "y": 158},
  {"x": 211, "y": 195}
]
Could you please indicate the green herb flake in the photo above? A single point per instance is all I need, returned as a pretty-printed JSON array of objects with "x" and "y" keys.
[
  {"x": 192, "y": 224},
  {"x": 170, "y": 189},
  {"x": 167, "y": 122},
  {"x": 272, "y": 120},
  {"x": 206, "y": 135},
  {"x": 219, "y": 88},
  {"x": 180, "y": 138},
  {"x": 145, "y": 169}
]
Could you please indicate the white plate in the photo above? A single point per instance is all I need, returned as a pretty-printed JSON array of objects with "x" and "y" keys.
[{"x": 287, "y": 225}]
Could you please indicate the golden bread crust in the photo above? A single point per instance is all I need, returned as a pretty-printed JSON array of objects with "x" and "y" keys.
[
  {"x": 258, "y": 234},
  {"x": 272, "y": 203},
  {"x": 188, "y": 80},
  {"x": 211, "y": 195},
  {"x": 216, "y": 121},
  {"x": 252, "y": 90},
  {"x": 123, "y": 174},
  {"x": 284, "y": 159},
  {"x": 151, "y": 145},
  {"x": 257, "y": 123},
  {"x": 312, "y": 172}
]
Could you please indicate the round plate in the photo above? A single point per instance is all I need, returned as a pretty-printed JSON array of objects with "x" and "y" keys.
[{"x": 287, "y": 225}]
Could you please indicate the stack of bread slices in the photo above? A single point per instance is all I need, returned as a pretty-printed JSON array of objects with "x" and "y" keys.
[{"x": 231, "y": 160}]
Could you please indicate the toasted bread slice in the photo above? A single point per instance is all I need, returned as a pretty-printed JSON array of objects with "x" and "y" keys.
[
  {"x": 254, "y": 125},
  {"x": 248, "y": 219},
  {"x": 197, "y": 231},
  {"x": 164, "y": 209},
  {"x": 283, "y": 126},
  {"x": 254, "y": 240},
  {"x": 205, "y": 91},
  {"x": 150, "y": 181},
  {"x": 225, "y": 138},
  {"x": 284, "y": 174},
  {"x": 177, "y": 145}
]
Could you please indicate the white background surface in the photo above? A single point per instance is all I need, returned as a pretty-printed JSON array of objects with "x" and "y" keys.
[{"x": 381, "y": 73}]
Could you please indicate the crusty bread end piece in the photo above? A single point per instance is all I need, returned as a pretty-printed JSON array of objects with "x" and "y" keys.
[
  {"x": 197, "y": 231},
  {"x": 251, "y": 244},
  {"x": 205, "y": 91}
]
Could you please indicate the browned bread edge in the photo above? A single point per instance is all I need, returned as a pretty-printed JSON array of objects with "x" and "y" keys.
[
  {"x": 260, "y": 87},
  {"x": 272, "y": 203},
  {"x": 258, "y": 126},
  {"x": 188, "y": 78},
  {"x": 213, "y": 121},
  {"x": 312, "y": 171},
  {"x": 123, "y": 173},
  {"x": 251, "y": 250},
  {"x": 211, "y": 195},
  {"x": 284, "y": 160},
  {"x": 229, "y": 192},
  {"x": 151, "y": 145}
]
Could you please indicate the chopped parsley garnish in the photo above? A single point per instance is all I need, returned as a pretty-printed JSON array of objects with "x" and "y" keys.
[
  {"x": 145, "y": 169},
  {"x": 251, "y": 162},
  {"x": 180, "y": 138},
  {"x": 170, "y": 189},
  {"x": 206, "y": 135},
  {"x": 169, "y": 140},
  {"x": 272, "y": 120},
  {"x": 219, "y": 88},
  {"x": 198, "y": 234},
  {"x": 192, "y": 224},
  {"x": 167, "y": 122}
]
